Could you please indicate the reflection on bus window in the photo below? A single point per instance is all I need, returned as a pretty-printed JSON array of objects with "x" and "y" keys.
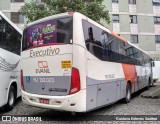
[
  {"x": 49, "y": 32},
  {"x": 106, "y": 47},
  {"x": 9, "y": 37}
]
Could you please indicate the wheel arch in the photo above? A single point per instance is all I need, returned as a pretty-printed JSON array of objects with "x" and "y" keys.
[
  {"x": 130, "y": 83},
  {"x": 14, "y": 84}
]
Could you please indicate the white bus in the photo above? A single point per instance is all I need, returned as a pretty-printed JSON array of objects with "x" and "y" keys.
[
  {"x": 10, "y": 44},
  {"x": 156, "y": 71},
  {"x": 72, "y": 63}
]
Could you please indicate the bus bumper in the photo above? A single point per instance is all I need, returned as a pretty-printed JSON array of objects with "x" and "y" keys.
[{"x": 73, "y": 103}]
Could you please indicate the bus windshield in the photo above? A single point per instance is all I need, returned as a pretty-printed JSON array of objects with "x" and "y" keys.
[{"x": 48, "y": 33}]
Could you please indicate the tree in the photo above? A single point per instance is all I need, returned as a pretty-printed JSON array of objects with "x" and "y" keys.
[{"x": 94, "y": 9}]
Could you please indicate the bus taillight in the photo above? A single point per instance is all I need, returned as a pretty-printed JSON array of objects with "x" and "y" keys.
[
  {"x": 75, "y": 81},
  {"x": 22, "y": 82},
  {"x": 70, "y": 13}
]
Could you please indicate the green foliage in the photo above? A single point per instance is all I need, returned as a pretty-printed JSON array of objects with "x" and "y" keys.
[{"x": 94, "y": 9}]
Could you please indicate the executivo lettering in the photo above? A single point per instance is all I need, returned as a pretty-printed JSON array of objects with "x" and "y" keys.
[{"x": 46, "y": 52}]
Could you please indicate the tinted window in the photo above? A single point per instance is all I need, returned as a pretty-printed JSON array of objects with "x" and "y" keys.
[
  {"x": 156, "y": 2},
  {"x": 132, "y": 1},
  {"x": 107, "y": 47},
  {"x": 157, "y": 38},
  {"x": 133, "y": 19},
  {"x": 100, "y": 43},
  {"x": 48, "y": 32},
  {"x": 115, "y": 18},
  {"x": 134, "y": 38},
  {"x": 9, "y": 37},
  {"x": 156, "y": 20},
  {"x": 133, "y": 54},
  {"x": 114, "y": 1}
]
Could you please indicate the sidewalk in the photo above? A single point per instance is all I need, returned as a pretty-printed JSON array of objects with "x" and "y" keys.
[{"x": 153, "y": 92}]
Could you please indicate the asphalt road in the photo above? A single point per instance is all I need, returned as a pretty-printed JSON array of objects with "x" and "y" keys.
[{"x": 137, "y": 106}]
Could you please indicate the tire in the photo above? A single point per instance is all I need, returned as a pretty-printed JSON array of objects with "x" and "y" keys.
[
  {"x": 11, "y": 99},
  {"x": 149, "y": 84},
  {"x": 128, "y": 93}
]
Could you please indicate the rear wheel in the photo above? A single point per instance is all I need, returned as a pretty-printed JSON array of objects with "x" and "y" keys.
[
  {"x": 11, "y": 99},
  {"x": 128, "y": 93},
  {"x": 149, "y": 84}
]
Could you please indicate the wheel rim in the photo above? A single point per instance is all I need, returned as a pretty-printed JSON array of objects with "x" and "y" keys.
[
  {"x": 128, "y": 93},
  {"x": 11, "y": 98}
]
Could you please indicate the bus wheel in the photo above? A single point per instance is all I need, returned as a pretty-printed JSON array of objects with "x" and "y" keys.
[
  {"x": 149, "y": 84},
  {"x": 73, "y": 113},
  {"x": 128, "y": 93},
  {"x": 11, "y": 99}
]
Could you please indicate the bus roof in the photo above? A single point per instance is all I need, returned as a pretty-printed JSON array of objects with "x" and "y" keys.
[
  {"x": 11, "y": 23},
  {"x": 119, "y": 37}
]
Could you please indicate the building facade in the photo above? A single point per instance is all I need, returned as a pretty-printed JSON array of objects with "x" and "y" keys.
[
  {"x": 138, "y": 21},
  {"x": 11, "y": 7}
]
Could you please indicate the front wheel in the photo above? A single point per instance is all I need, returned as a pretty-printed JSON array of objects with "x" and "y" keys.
[
  {"x": 128, "y": 93},
  {"x": 11, "y": 99}
]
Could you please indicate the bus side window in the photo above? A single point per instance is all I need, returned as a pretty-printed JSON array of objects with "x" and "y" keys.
[
  {"x": 92, "y": 38},
  {"x": 10, "y": 39},
  {"x": 90, "y": 45}
]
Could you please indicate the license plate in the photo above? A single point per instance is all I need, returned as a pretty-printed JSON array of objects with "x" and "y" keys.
[{"x": 44, "y": 101}]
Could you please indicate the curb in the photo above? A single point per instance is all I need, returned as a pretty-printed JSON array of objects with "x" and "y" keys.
[{"x": 153, "y": 92}]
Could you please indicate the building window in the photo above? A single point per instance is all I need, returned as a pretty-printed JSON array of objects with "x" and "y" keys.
[
  {"x": 132, "y": 1},
  {"x": 134, "y": 38},
  {"x": 156, "y": 20},
  {"x": 17, "y": 18},
  {"x": 17, "y": 1},
  {"x": 114, "y": 1},
  {"x": 157, "y": 38},
  {"x": 156, "y": 2},
  {"x": 133, "y": 19},
  {"x": 115, "y": 18}
]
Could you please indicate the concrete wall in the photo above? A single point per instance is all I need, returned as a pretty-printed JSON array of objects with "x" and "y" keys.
[
  {"x": 144, "y": 6},
  {"x": 5, "y": 4},
  {"x": 126, "y": 36},
  {"x": 147, "y": 42},
  {"x": 124, "y": 23},
  {"x": 146, "y": 24},
  {"x": 123, "y": 5},
  {"x": 7, "y": 14},
  {"x": 108, "y": 4}
]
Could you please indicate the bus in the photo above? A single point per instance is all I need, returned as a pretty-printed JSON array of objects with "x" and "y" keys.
[
  {"x": 10, "y": 45},
  {"x": 156, "y": 71},
  {"x": 71, "y": 63}
]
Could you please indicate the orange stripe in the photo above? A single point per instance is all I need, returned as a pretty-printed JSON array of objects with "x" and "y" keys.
[
  {"x": 119, "y": 37},
  {"x": 130, "y": 73}
]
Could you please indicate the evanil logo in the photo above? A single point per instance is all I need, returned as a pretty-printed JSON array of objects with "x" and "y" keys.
[{"x": 43, "y": 67}]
